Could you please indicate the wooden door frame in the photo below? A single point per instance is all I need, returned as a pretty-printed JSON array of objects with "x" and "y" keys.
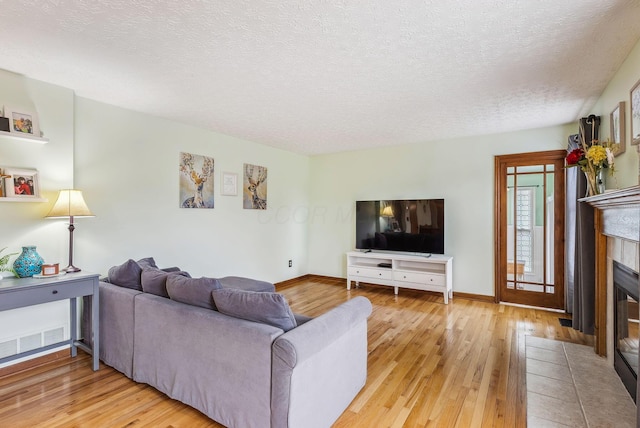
[{"x": 500, "y": 269}]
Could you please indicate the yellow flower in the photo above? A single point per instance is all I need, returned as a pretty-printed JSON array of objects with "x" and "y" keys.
[{"x": 597, "y": 155}]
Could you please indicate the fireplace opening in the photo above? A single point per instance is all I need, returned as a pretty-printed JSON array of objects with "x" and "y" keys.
[{"x": 626, "y": 323}]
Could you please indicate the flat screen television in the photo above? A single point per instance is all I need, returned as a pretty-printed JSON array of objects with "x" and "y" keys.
[{"x": 411, "y": 225}]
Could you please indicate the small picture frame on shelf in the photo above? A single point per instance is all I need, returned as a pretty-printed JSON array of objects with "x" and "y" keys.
[
  {"x": 22, "y": 121},
  {"x": 229, "y": 184},
  {"x": 616, "y": 124},
  {"x": 21, "y": 183}
]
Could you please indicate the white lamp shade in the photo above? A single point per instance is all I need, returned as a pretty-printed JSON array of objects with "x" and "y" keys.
[
  {"x": 70, "y": 203},
  {"x": 387, "y": 211}
]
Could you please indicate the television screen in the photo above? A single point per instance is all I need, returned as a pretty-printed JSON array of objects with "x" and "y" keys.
[{"x": 413, "y": 225}]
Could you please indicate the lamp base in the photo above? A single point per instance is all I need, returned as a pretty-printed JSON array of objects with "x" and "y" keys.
[{"x": 71, "y": 269}]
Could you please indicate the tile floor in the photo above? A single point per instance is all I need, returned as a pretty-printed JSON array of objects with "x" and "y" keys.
[{"x": 569, "y": 385}]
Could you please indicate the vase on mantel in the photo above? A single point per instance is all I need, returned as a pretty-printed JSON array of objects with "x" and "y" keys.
[
  {"x": 595, "y": 183},
  {"x": 28, "y": 262}
]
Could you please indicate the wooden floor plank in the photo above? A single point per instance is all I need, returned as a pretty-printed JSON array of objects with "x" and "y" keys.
[{"x": 429, "y": 364}]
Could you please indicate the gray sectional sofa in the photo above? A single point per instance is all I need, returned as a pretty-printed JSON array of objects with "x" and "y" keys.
[{"x": 238, "y": 372}]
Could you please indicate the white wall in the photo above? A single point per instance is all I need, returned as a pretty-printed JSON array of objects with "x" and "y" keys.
[
  {"x": 617, "y": 90},
  {"x": 460, "y": 171},
  {"x": 126, "y": 163},
  {"x": 23, "y": 223}
]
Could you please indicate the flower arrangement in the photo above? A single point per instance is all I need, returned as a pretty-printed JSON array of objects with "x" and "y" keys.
[
  {"x": 592, "y": 158},
  {"x": 4, "y": 263}
]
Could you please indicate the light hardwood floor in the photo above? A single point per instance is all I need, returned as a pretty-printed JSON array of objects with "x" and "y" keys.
[{"x": 430, "y": 364}]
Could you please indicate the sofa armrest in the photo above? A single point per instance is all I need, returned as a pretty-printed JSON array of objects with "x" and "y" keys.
[{"x": 320, "y": 366}]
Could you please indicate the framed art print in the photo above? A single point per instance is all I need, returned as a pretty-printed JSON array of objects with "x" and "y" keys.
[
  {"x": 616, "y": 123},
  {"x": 635, "y": 114},
  {"x": 229, "y": 184}
]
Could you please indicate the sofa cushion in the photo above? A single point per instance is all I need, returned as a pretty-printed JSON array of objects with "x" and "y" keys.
[
  {"x": 263, "y": 307},
  {"x": 192, "y": 291},
  {"x": 154, "y": 281},
  {"x": 126, "y": 275}
]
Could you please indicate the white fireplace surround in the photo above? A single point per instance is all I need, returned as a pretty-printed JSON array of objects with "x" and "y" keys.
[{"x": 620, "y": 218}]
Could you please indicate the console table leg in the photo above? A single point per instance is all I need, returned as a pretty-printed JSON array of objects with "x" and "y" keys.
[
  {"x": 395, "y": 290},
  {"x": 74, "y": 326}
]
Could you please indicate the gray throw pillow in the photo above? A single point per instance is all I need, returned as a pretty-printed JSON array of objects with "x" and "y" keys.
[
  {"x": 126, "y": 275},
  {"x": 154, "y": 281},
  {"x": 192, "y": 291},
  {"x": 264, "y": 307},
  {"x": 147, "y": 262}
]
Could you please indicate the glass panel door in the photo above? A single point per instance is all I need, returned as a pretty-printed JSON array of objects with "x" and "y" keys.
[{"x": 528, "y": 209}]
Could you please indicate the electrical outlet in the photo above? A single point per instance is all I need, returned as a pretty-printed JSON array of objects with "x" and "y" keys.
[{"x": 290, "y": 263}]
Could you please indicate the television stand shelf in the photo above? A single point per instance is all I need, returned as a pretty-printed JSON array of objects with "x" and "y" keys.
[{"x": 418, "y": 272}]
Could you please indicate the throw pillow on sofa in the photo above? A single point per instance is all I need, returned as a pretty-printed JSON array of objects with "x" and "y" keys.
[
  {"x": 192, "y": 291},
  {"x": 147, "y": 262},
  {"x": 126, "y": 275},
  {"x": 264, "y": 307},
  {"x": 154, "y": 281}
]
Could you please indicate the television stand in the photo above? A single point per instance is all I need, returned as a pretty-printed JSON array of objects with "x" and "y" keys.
[{"x": 417, "y": 272}]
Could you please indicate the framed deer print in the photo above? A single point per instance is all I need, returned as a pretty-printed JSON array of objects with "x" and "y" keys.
[
  {"x": 196, "y": 181},
  {"x": 254, "y": 187}
]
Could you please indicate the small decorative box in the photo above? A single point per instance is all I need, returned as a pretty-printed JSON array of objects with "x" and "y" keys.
[{"x": 50, "y": 269}]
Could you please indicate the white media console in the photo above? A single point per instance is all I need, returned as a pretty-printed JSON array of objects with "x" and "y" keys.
[{"x": 420, "y": 272}]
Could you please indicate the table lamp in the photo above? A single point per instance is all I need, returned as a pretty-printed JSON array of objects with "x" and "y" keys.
[{"x": 70, "y": 203}]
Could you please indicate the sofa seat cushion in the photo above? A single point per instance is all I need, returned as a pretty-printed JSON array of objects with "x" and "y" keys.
[
  {"x": 262, "y": 307},
  {"x": 192, "y": 291},
  {"x": 246, "y": 284}
]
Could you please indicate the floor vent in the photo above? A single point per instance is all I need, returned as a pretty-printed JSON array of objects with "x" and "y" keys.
[
  {"x": 53, "y": 336},
  {"x": 9, "y": 347},
  {"x": 28, "y": 343},
  {"x": 32, "y": 341}
]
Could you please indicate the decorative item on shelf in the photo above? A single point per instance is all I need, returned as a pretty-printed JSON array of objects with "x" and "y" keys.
[
  {"x": 50, "y": 269},
  {"x": 22, "y": 183},
  {"x": 592, "y": 157},
  {"x": 22, "y": 121},
  {"x": 5, "y": 266},
  {"x": 3, "y": 192},
  {"x": 4, "y": 124},
  {"x": 28, "y": 262},
  {"x": 70, "y": 203}
]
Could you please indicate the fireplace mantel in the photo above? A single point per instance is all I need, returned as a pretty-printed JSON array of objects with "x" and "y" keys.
[
  {"x": 617, "y": 215},
  {"x": 620, "y": 212}
]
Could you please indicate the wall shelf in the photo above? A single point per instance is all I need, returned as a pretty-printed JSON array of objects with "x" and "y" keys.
[
  {"x": 22, "y": 199},
  {"x": 31, "y": 138}
]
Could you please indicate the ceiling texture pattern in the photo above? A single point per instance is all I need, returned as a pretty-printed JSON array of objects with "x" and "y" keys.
[{"x": 322, "y": 76}]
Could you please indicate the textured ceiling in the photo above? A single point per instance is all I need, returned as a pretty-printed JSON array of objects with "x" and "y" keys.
[{"x": 321, "y": 76}]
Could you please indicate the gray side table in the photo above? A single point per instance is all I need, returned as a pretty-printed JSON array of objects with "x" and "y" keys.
[{"x": 23, "y": 292}]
